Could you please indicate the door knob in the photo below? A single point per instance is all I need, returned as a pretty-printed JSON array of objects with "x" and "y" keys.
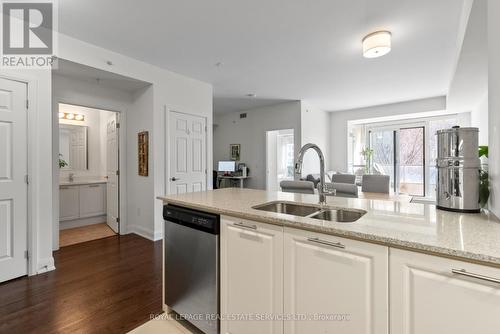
[{"x": 174, "y": 179}]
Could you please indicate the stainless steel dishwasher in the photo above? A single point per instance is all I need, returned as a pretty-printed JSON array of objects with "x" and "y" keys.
[{"x": 192, "y": 265}]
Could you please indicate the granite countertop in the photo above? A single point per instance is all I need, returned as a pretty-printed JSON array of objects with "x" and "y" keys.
[
  {"x": 415, "y": 226},
  {"x": 83, "y": 181}
]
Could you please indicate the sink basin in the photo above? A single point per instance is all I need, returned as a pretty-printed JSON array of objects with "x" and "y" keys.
[
  {"x": 339, "y": 215},
  {"x": 288, "y": 208}
]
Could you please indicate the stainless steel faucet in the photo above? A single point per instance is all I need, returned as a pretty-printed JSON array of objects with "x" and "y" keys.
[{"x": 298, "y": 168}]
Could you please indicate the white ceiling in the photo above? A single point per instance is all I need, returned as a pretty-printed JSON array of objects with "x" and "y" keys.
[
  {"x": 282, "y": 49},
  {"x": 85, "y": 73}
]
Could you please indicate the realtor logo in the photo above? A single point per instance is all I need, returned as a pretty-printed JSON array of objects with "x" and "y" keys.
[
  {"x": 27, "y": 28},
  {"x": 27, "y": 33}
]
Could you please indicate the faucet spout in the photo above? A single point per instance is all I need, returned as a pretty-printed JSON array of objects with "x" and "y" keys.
[{"x": 298, "y": 168}]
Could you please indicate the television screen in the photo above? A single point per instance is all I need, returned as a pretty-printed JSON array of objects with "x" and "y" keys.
[{"x": 227, "y": 166}]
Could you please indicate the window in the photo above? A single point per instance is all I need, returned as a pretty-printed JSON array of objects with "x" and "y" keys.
[{"x": 406, "y": 151}]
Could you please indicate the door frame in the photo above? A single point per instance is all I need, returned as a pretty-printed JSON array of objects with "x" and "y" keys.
[
  {"x": 122, "y": 165},
  {"x": 33, "y": 180},
  {"x": 168, "y": 112},
  {"x": 266, "y": 150}
]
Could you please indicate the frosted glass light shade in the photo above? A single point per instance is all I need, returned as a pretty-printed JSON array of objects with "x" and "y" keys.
[{"x": 377, "y": 44}]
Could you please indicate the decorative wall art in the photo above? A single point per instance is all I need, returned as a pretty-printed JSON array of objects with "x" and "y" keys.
[
  {"x": 143, "y": 152},
  {"x": 235, "y": 151}
]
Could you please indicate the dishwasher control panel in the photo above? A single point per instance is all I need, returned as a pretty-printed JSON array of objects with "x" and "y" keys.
[{"x": 203, "y": 221}]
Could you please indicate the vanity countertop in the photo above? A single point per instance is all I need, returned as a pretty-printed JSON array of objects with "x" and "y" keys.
[
  {"x": 414, "y": 226},
  {"x": 80, "y": 181}
]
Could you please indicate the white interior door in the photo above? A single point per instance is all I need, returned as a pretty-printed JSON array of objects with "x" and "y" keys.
[
  {"x": 188, "y": 151},
  {"x": 112, "y": 192},
  {"x": 13, "y": 187}
]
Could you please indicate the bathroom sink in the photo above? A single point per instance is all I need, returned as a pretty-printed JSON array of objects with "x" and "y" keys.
[
  {"x": 339, "y": 215},
  {"x": 288, "y": 208}
]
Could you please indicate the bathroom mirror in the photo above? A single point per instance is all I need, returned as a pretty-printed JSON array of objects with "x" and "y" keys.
[{"x": 73, "y": 147}]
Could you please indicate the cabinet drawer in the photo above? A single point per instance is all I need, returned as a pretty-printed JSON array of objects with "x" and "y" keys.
[
  {"x": 251, "y": 276},
  {"x": 431, "y": 294},
  {"x": 69, "y": 206},
  {"x": 92, "y": 200},
  {"x": 343, "y": 280}
]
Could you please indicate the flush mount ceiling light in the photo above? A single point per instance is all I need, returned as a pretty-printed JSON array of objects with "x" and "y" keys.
[{"x": 377, "y": 44}]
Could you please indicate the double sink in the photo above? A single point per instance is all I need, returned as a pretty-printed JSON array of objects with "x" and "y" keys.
[{"x": 339, "y": 215}]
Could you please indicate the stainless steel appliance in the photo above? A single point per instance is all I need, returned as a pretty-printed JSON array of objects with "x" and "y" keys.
[
  {"x": 191, "y": 265},
  {"x": 458, "y": 167}
]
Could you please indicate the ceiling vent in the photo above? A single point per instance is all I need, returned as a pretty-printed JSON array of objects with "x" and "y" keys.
[{"x": 244, "y": 115}]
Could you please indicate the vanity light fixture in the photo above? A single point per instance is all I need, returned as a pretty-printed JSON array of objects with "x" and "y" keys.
[
  {"x": 377, "y": 44},
  {"x": 71, "y": 117}
]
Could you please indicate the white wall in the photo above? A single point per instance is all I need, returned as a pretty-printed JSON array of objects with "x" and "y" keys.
[
  {"x": 250, "y": 132},
  {"x": 339, "y": 119},
  {"x": 468, "y": 90},
  {"x": 479, "y": 118},
  {"x": 140, "y": 208},
  {"x": 171, "y": 91},
  {"x": 315, "y": 127},
  {"x": 494, "y": 104}
]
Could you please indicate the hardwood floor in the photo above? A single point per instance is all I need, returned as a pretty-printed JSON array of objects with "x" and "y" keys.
[
  {"x": 110, "y": 285},
  {"x": 78, "y": 235}
]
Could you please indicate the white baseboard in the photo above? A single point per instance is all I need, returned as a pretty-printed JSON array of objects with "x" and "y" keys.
[
  {"x": 66, "y": 224},
  {"x": 158, "y": 235},
  {"x": 45, "y": 265},
  {"x": 142, "y": 231},
  {"x": 145, "y": 232}
]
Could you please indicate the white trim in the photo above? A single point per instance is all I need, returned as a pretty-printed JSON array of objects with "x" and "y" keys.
[
  {"x": 80, "y": 222},
  {"x": 145, "y": 232},
  {"x": 45, "y": 265}
]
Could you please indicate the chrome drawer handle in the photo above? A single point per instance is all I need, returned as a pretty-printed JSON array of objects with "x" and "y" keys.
[
  {"x": 250, "y": 227},
  {"x": 328, "y": 243},
  {"x": 464, "y": 272}
]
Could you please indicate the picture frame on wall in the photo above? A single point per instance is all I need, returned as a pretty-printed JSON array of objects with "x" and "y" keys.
[
  {"x": 143, "y": 153},
  {"x": 235, "y": 150}
]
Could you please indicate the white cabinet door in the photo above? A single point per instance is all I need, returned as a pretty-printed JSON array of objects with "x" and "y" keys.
[
  {"x": 69, "y": 207},
  {"x": 92, "y": 200},
  {"x": 334, "y": 285},
  {"x": 428, "y": 298},
  {"x": 251, "y": 276}
]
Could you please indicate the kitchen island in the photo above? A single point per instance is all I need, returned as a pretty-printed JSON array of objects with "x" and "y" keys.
[{"x": 401, "y": 267}]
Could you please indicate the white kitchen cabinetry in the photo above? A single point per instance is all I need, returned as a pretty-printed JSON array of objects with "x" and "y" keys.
[
  {"x": 69, "y": 207},
  {"x": 251, "y": 276},
  {"x": 92, "y": 200},
  {"x": 434, "y": 295},
  {"x": 343, "y": 282},
  {"x": 82, "y": 201}
]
